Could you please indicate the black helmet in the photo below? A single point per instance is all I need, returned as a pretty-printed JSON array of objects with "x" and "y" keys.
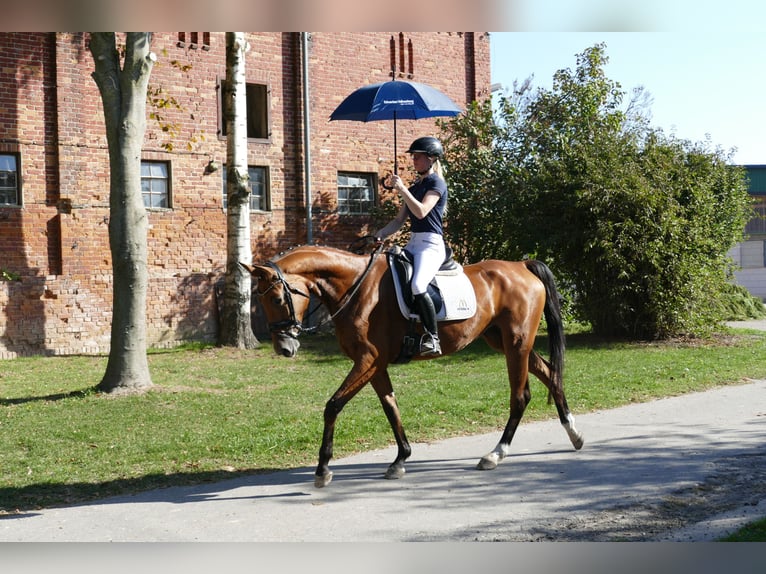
[{"x": 427, "y": 145}]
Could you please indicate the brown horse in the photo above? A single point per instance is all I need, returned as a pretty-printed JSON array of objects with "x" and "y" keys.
[{"x": 358, "y": 292}]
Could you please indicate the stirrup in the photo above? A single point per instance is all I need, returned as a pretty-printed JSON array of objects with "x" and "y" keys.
[{"x": 429, "y": 345}]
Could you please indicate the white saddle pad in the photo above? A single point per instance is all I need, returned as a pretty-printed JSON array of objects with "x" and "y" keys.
[{"x": 457, "y": 294}]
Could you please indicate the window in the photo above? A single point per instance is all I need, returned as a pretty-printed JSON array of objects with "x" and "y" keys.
[
  {"x": 259, "y": 188},
  {"x": 155, "y": 185},
  {"x": 9, "y": 180},
  {"x": 193, "y": 39},
  {"x": 257, "y": 96},
  {"x": 757, "y": 225},
  {"x": 356, "y": 193}
]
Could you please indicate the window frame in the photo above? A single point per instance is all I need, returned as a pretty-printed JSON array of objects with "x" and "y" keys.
[
  {"x": 344, "y": 204},
  {"x": 168, "y": 186},
  {"x": 265, "y": 197},
  {"x": 251, "y": 101},
  {"x": 18, "y": 187}
]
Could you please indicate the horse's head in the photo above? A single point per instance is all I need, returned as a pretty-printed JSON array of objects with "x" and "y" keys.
[{"x": 285, "y": 299}]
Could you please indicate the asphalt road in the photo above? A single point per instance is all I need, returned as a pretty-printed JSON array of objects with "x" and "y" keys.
[{"x": 638, "y": 461}]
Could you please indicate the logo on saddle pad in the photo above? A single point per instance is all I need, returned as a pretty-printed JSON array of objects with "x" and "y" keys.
[{"x": 451, "y": 291}]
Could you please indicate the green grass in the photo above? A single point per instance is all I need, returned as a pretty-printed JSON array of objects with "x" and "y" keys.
[
  {"x": 753, "y": 532},
  {"x": 216, "y": 413}
]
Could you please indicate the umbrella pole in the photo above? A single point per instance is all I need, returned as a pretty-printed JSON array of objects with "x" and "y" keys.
[{"x": 396, "y": 159}]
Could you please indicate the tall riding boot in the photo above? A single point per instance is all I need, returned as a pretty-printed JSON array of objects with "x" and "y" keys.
[{"x": 429, "y": 343}]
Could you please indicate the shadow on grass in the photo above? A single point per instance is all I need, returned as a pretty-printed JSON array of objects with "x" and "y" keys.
[
  {"x": 82, "y": 393},
  {"x": 24, "y": 501}
]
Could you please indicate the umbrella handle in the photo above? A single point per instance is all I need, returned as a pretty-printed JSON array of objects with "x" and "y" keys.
[{"x": 386, "y": 185}]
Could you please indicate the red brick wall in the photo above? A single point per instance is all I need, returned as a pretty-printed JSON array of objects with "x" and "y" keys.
[
  {"x": 57, "y": 242},
  {"x": 343, "y": 62}
]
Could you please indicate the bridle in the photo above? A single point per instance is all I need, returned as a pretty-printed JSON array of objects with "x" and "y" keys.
[{"x": 291, "y": 327}]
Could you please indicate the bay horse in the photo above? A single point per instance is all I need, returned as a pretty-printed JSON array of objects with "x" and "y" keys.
[{"x": 358, "y": 292}]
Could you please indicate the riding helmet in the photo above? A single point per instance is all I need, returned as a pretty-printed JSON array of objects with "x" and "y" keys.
[{"x": 428, "y": 145}]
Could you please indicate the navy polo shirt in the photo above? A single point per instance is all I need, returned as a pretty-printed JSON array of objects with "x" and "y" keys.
[{"x": 432, "y": 222}]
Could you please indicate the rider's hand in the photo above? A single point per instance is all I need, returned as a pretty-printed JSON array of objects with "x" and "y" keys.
[{"x": 397, "y": 182}]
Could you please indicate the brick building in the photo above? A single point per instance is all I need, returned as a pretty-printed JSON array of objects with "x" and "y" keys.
[{"x": 55, "y": 267}]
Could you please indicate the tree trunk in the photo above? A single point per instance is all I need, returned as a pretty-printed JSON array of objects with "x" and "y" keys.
[
  {"x": 236, "y": 330},
  {"x": 123, "y": 93}
]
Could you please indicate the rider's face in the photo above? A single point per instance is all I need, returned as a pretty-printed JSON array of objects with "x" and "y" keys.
[{"x": 421, "y": 162}]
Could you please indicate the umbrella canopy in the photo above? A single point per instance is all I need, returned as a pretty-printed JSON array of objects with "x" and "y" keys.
[{"x": 395, "y": 100}]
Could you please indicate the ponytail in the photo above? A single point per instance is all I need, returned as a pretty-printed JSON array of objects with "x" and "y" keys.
[{"x": 438, "y": 168}]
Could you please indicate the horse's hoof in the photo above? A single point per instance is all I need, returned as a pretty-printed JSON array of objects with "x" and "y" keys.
[
  {"x": 575, "y": 436},
  {"x": 488, "y": 462},
  {"x": 394, "y": 472},
  {"x": 322, "y": 481}
]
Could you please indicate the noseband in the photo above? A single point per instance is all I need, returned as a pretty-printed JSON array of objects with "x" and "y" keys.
[{"x": 290, "y": 327}]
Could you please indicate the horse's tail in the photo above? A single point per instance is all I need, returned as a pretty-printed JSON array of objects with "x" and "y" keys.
[{"x": 552, "y": 310}]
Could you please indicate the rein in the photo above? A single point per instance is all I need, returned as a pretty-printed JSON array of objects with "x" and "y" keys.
[{"x": 292, "y": 327}]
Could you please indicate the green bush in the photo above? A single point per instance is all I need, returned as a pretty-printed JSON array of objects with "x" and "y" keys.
[
  {"x": 737, "y": 304},
  {"x": 635, "y": 224}
]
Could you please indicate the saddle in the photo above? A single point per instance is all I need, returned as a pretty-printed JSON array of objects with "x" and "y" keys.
[{"x": 451, "y": 291}]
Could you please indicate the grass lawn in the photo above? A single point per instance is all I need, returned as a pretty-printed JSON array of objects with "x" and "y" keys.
[
  {"x": 754, "y": 532},
  {"x": 214, "y": 412}
]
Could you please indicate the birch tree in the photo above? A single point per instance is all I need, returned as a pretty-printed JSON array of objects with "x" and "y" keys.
[
  {"x": 236, "y": 330},
  {"x": 123, "y": 94}
]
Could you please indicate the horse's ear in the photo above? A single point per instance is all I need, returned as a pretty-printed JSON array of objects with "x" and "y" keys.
[{"x": 257, "y": 271}]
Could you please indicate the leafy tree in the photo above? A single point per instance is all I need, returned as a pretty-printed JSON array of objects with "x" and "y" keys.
[
  {"x": 481, "y": 175},
  {"x": 636, "y": 224},
  {"x": 123, "y": 94}
]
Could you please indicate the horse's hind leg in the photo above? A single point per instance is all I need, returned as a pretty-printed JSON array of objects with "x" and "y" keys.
[
  {"x": 520, "y": 397},
  {"x": 385, "y": 391},
  {"x": 540, "y": 368}
]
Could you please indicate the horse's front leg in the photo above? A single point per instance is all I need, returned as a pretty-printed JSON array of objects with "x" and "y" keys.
[
  {"x": 354, "y": 381},
  {"x": 323, "y": 474},
  {"x": 385, "y": 391}
]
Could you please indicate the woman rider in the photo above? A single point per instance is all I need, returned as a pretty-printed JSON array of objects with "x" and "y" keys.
[{"x": 425, "y": 203}]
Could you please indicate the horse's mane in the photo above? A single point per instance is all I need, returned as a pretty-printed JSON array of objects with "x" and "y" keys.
[
  {"x": 309, "y": 257},
  {"x": 312, "y": 248}
]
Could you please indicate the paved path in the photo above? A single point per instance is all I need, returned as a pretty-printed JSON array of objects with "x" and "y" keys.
[
  {"x": 757, "y": 324},
  {"x": 634, "y": 456}
]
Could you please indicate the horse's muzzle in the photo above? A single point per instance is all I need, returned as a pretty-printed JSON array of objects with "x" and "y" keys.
[{"x": 286, "y": 345}]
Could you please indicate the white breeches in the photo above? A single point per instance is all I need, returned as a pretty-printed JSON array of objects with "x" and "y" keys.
[{"x": 429, "y": 252}]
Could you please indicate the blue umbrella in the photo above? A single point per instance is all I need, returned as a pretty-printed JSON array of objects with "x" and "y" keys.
[{"x": 393, "y": 100}]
